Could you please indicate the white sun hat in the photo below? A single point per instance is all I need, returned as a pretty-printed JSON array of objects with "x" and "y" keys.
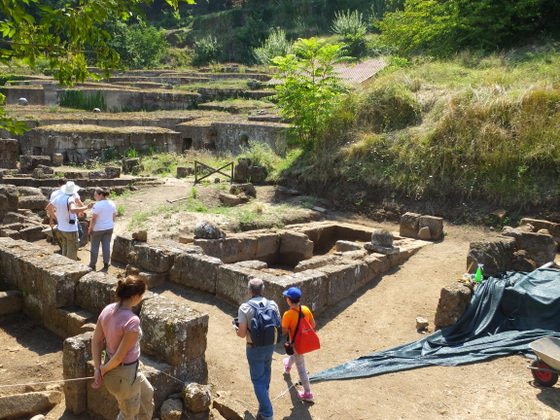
[{"x": 70, "y": 188}]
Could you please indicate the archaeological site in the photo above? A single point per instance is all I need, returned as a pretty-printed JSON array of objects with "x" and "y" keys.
[{"x": 336, "y": 263}]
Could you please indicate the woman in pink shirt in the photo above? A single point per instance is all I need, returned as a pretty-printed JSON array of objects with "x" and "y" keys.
[{"x": 118, "y": 332}]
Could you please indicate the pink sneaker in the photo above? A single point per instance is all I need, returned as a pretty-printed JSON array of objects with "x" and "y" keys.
[
  {"x": 306, "y": 396},
  {"x": 287, "y": 367}
]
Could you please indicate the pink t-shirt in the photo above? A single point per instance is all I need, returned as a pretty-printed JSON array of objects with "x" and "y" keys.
[{"x": 115, "y": 322}]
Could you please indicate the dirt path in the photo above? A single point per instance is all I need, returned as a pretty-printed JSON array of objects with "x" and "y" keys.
[{"x": 380, "y": 316}]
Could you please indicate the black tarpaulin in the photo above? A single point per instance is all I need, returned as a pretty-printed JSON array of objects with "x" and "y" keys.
[{"x": 506, "y": 313}]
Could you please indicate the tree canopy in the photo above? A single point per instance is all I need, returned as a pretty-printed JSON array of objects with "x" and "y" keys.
[
  {"x": 444, "y": 27},
  {"x": 69, "y": 34}
]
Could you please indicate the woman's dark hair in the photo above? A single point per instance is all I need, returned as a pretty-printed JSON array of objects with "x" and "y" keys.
[
  {"x": 102, "y": 191},
  {"x": 130, "y": 286}
]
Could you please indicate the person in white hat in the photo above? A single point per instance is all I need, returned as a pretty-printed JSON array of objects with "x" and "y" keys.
[
  {"x": 61, "y": 182},
  {"x": 64, "y": 210}
]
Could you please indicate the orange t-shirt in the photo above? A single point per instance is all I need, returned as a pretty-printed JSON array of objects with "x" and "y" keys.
[{"x": 290, "y": 318}]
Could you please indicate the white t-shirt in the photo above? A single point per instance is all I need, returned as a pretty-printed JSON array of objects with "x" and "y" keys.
[
  {"x": 62, "y": 203},
  {"x": 104, "y": 209}
]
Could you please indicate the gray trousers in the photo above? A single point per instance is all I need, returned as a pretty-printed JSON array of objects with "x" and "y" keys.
[{"x": 102, "y": 237}]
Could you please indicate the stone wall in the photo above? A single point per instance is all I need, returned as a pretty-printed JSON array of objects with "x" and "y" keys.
[
  {"x": 66, "y": 298},
  {"x": 234, "y": 137},
  {"x": 224, "y": 266},
  {"x": 9, "y": 153},
  {"x": 79, "y": 143}
]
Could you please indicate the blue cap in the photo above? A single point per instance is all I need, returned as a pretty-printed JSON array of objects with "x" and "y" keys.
[{"x": 293, "y": 293}]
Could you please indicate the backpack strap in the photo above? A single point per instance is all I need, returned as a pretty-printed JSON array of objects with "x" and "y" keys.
[{"x": 298, "y": 319}]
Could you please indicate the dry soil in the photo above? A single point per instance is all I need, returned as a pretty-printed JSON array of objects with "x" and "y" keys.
[{"x": 380, "y": 316}]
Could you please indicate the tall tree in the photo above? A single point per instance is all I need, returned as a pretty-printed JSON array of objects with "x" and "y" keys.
[
  {"x": 444, "y": 27},
  {"x": 310, "y": 87},
  {"x": 69, "y": 35}
]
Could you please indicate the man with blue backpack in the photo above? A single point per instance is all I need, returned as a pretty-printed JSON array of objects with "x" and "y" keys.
[{"x": 258, "y": 321}]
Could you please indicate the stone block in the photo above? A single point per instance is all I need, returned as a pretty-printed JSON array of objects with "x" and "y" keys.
[
  {"x": 538, "y": 224},
  {"x": 316, "y": 262},
  {"x": 231, "y": 283},
  {"x": 42, "y": 172},
  {"x": 28, "y": 404},
  {"x": 268, "y": 247},
  {"x": 541, "y": 248},
  {"x": 96, "y": 290},
  {"x": 434, "y": 223},
  {"x": 409, "y": 225},
  {"x": 29, "y": 162},
  {"x": 294, "y": 247},
  {"x": 153, "y": 258},
  {"x": 76, "y": 353},
  {"x": 33, "y": 202},
  {"x": 10, "y": 233},
  {"x": 123, "y": 246},
  {"x": 453, "y": 301},
  {"x": 171, "y": 409},
  {"x": 9, "y": 153},
  {"x": 172, "y": 331},
  {"x": 112, "y": 172},
  {"x": 32, "y": 233},
  {"x": 362, "y": 272},
  {"x": 197, "y": 397},
  {"x": 342, "y": 281},
  {"x": 66, "y": 322},
  {"x": 10, "y": 302},
  {"x": 196, "y": 270},
  {"x": 344, "y": 246},
  {"x": 495, "y": 254},
  {"x": 8, "y": 198},
  {"x": 312, "y": 283},
  {"x": 152, "y": 279}
]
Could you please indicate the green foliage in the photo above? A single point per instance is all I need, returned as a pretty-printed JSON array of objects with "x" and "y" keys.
[
  {"x": 386, "y": 108},
  {"x": 131, "y": 153},
  {"x": 80, "y": 99},
  {"x": 473, "y": 128},
  {"x": 310, "y": 88},
  {"x": 261, "y": 154},
  {"x": 352, "y": 28},
  {"x": 138, "y": 46},
  {"x": 206, "y": 50},
  {"x": 445, "y": 27},
  {"x": 120, "y": 210},
  {"x": 64, "y": 35},
  {"x": 275, "y": 45}
]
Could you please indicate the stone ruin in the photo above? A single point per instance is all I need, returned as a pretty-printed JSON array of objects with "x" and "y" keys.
[
  {"x": 531, "y": 245},
  {"x": 328, "y": 261},
  {"x": 79, "y": 137}
]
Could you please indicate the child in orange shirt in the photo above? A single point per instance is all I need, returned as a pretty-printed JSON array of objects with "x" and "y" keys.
[{"x": 289, "y": 323}]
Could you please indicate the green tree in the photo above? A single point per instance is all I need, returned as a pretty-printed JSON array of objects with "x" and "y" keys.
[
  {"x": 65, "y": 35},
  {"x": 310, "y": 88},
  {"x": 444, "y": 27},
  {"x": 138, "y": 46}
]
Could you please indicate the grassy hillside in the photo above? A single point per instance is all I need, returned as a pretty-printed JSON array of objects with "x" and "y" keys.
[{"x": 458, "y": 138}]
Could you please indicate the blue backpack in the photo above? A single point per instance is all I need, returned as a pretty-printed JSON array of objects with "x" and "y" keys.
[{"x": 266, "y": 325}]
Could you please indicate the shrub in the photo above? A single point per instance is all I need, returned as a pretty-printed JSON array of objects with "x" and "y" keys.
[
  {"x": 275, "y": 45},
  {"x": 351, "y": 27},
  {"x": 206, "y": 50}
]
